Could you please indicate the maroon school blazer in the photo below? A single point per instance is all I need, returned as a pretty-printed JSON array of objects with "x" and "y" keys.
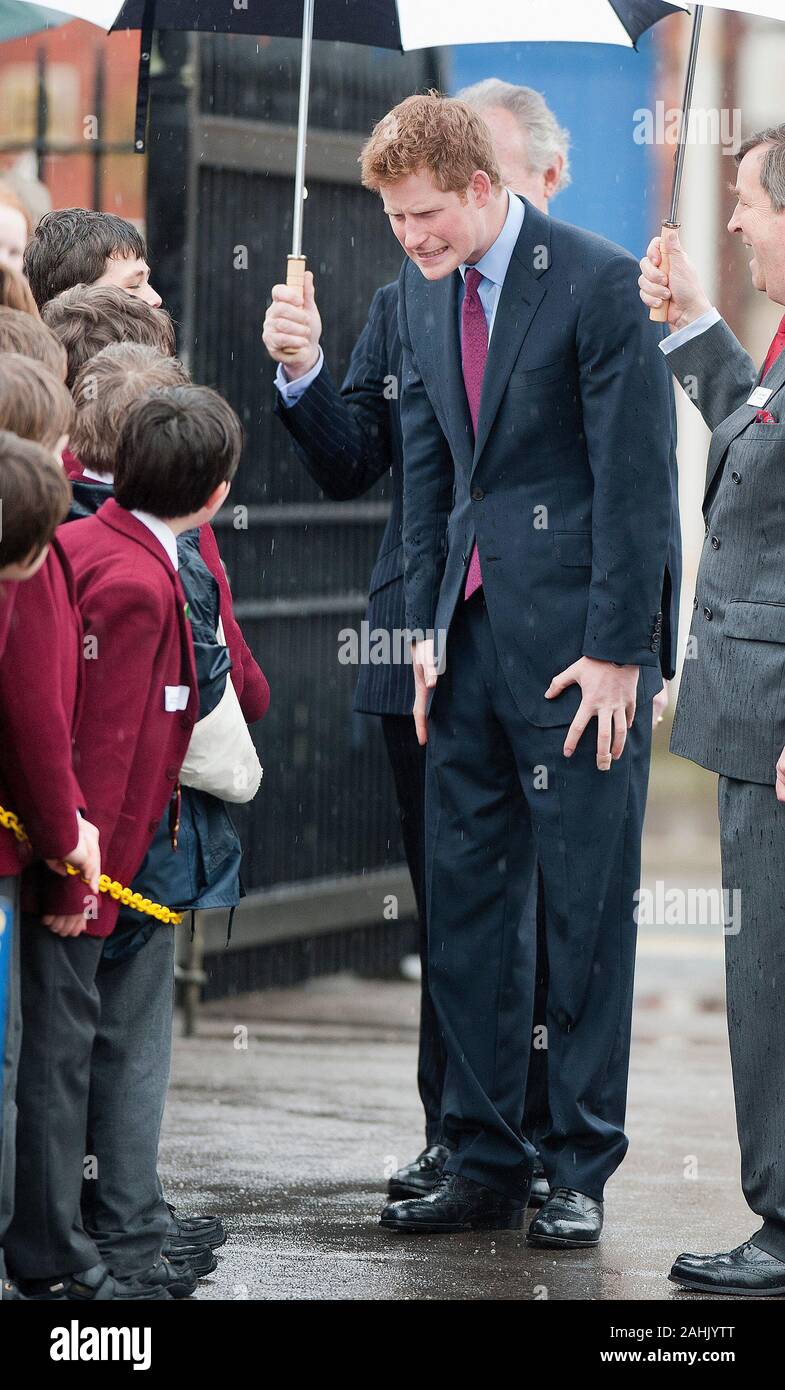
[
  {"x": 40, "y": 690},
  {"x": 248, "y": 678},
  {"x": 140, "y": 696}
]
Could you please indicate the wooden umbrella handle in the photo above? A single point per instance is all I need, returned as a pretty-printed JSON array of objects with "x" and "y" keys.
[
  {"x": 660, "y": 315},
  {"x": 295, "y": 280}
]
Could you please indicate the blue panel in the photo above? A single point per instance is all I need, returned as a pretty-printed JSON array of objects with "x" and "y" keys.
[
  {"x": 595, "y": 90},
  {"x": 7, "y": 927}
]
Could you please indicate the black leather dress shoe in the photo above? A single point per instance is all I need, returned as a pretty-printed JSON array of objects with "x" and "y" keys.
[
  {"x": 747, "y": 1270},
  {"x": 194, "y": 1230},
  {"x": 540, "y": 1190},
  {"x": 457, "y": 1204},
  {"x": 567, "y": 1221},
  {"x": 94, "y": 1285},
  {"x": 421, "y": 1176},
  {"x": 175, "y": 1277},
  {"x": 199, "y": 1258}
]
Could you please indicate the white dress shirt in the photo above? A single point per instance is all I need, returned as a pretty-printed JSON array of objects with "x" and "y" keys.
[{"x": 684, "y": 335}]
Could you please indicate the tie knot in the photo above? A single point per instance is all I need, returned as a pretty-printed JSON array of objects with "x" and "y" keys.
[{"x": 473, "y": 278}]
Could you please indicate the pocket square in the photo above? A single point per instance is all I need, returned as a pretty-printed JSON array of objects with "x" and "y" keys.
[{"x": 765, "y": 417}]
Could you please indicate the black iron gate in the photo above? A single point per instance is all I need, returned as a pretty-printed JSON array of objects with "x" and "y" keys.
[{"x": 322, "y": 840}]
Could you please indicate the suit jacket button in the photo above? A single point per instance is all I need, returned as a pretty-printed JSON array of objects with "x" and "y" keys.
[
  {"x": 477, "y": 494},
  {"x": 736, "y": 476},
  {"x": 715, "y": 542},
  {"x": 185, "y": 722},
  {"x": 171, "y": 773},
  {"x": 708, "y": 615},
  {"x": 152, "y": 826},
  {"x": 695, "y": 601}
]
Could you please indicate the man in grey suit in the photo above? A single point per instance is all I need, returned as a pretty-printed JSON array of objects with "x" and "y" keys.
[{"x": 730, "y": 715}]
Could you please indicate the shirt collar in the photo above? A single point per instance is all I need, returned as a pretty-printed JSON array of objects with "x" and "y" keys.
[
  {"x": 97, "y": 477},
  {"x": 162, "y": 533},
  {"x": 493, "y": 265}
]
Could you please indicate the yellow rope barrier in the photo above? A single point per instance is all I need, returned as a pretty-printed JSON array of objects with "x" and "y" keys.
[{"x": 105, "y": 884}]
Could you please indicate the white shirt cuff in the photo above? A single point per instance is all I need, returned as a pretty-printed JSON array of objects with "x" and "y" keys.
[
  {"x": 291, "y": 391},
  {"x": 684, "y": 335}
]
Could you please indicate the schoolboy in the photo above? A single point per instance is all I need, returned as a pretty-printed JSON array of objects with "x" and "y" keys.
[
  {"x": 177, "y": 454},
  {"x": 40, "y": 660}
]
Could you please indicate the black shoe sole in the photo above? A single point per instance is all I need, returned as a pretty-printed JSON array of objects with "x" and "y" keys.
[
  {"x": 508, "y": 1222},
  {"x": 214, "y": 1242},
  {"x": 561, "y": 1243},
  {"x": 714, "y": 1289}
]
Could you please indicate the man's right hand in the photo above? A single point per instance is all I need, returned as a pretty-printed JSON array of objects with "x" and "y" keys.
[
  {"x": 424, "y": 680},
  {"x": 86, "y": 857},
  {"x": 681, "y": 288},
  {"x": 290, "y": 325}
]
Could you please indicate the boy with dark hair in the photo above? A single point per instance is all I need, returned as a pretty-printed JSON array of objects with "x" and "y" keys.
[
  {"x": 138, "y": 713},
  {"x": 76, "y": 246},
  {"x": 20, "y": 332},
  {"x": 40, "y": 676},
  {"x": 205, "y": 873},
  {"x": 88, "y": 318}
]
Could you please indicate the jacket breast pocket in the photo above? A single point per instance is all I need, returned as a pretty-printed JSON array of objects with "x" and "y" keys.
[
  {"x": 756, "y": 622},
  {"x": 573, "y": 547},
  {"x": 537, "y": 376}
]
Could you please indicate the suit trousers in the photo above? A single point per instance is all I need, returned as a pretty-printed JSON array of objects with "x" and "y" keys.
[
  {"x": 92, "y": 1076},
  {"x": 500, "y": 795},
  {"x": 123, "y": 1208},
  {"x": 60, "y": 1012},
  {"x": 752, "y": 841},
  {"x": 407, "y": 760},
  {"x": 10, "y": 1045}
]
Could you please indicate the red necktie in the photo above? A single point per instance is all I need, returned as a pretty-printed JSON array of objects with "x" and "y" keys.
[
  {"x": 777, "y": 346},
  {"x": 474, "y": 354}
]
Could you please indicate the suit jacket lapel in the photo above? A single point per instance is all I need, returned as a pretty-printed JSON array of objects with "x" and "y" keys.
[
  {"x": 731, "y": 428},
  {"x": 519, "y": 301}
]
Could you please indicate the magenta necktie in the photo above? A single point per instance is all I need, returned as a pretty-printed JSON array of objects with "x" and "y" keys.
[
  {"x": 474, "y": 354},
  {"x": 777, "y": 346}
]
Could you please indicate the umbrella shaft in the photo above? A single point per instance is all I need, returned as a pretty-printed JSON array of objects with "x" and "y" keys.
[
  {"x": 689, "y": 83},
  {"x": 302, "y": 128}
]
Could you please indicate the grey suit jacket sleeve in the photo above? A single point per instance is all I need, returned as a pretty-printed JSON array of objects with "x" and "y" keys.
[
  {"x": 716, "y": 372},
  {"x": 428, "y": 476}
]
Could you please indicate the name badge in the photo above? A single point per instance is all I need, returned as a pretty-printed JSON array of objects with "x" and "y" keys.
[
  {"x": 175, "y": 697},
  {"x": 760, "y": 396}
]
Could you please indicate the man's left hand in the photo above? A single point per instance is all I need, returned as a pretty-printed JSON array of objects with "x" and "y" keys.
[{"x": 608, "y": 694}]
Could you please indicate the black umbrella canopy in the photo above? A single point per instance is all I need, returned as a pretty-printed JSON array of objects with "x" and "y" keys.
[{"x": 371, "y": 22}]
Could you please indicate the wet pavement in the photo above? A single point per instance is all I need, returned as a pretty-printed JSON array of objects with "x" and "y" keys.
[{"x": 290, "y": 1108}]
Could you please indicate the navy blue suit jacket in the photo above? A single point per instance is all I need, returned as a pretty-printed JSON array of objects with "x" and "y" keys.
[
  {"x": 347, "y": 439},
  {"x": 568, "y": 488}
]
